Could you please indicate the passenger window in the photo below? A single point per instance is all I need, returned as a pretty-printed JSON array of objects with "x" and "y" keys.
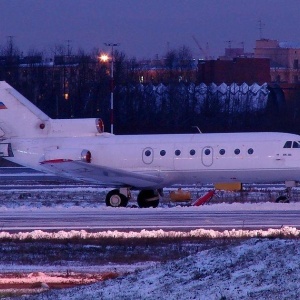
[
  {"x": 237, "y": 151},
  {"x": 222, "y": 151},
  {"x": 162, "y": 153},
  {"x": 177, "y": 152},
  {"x": 295, "y": 145},
  {"x": 288, "y": 144},
  {"x": 250, "y": 151},
  {"x": 207, "y": 152},
  {"x": 192, "y": 152}
]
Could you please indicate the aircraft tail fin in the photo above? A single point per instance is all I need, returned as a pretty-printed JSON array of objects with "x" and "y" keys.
[{"x": 18, "y": 116}]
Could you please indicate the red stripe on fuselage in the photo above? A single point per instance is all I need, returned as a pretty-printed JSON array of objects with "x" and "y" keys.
[{"x": 55, "y": 161}]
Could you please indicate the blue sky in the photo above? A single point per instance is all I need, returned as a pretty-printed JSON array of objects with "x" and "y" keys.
[{"x": 145, "y": 28}]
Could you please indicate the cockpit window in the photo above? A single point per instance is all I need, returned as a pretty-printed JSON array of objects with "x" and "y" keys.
[
  {"x": 288, "y": 144},
  {"x": 296, "y": 145},
  {"x": 292, "y": 144}
]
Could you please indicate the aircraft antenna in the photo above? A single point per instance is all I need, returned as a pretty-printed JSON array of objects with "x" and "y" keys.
[{"x": 198, "y": 129}]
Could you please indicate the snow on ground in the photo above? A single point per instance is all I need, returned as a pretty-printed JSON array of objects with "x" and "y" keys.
[
  {"x": 77, "y": 198},
  {"x": 256, "y": 264},
  {"x": 206, "y": 208},
  {"x": 259, "y": 264},
  {"x": 287, "y": 232},
  {"x": 255, "y": 269}
]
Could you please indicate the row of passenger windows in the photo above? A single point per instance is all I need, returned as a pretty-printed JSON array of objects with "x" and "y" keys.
[{"x": 206, "y": 152}]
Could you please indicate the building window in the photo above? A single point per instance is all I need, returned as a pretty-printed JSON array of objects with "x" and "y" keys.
[
  {"x": 277, "y": 78},
  {"x": 296, "y": 79},
  {"x": 296, "y": 64}
]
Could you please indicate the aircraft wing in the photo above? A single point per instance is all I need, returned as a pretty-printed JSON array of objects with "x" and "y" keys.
[{"x": 79, "y": 170}]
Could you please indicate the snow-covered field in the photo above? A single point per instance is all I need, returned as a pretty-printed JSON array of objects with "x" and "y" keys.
[
  {"x": 200, "y": 264},
  {"x": 253, "y": 269}
]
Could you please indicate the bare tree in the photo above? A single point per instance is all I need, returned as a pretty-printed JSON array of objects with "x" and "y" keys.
[{"x": 10, "y": 62}]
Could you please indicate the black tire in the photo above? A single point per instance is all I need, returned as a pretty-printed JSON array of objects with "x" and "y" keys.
[
  {"x": 282, "y": 199},
  {"x": 148, "y": 198},
  {"x": 115, "y": 199}
]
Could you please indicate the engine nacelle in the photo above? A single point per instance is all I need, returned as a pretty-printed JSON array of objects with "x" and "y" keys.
[
  {"x": 72, "y": 127},
  {"x": 86, "y": 156},
  {"x": 64, "y": 155}
]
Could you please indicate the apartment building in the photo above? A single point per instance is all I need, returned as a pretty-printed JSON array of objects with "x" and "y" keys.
[{"x": 284, "y": 59}]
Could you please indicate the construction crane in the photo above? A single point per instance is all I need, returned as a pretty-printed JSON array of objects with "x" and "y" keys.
[{"x": 204, "y": 53}]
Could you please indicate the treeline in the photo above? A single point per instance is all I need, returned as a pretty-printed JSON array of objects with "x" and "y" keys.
[{"x": 157, "y": 96}]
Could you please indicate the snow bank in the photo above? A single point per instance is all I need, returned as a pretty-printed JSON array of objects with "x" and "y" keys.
[
  {"x": 198, "y": 233},
  {"x": 255, "y": 269}
]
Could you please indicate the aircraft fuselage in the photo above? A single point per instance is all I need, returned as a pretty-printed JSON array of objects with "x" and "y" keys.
[{"x": 184, "y": 158}]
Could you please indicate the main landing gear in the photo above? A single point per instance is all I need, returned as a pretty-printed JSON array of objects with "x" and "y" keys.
[
  {"x": 120, "y": 198},
  {"x": 148, "y": 198},
  {"x": 285, "y": 197},
  {"x": 117, "y": 198}
]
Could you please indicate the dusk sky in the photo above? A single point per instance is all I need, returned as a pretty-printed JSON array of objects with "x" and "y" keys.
[{"x": 145, "y": 28}]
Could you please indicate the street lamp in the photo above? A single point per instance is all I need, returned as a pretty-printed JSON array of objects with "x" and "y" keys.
[
  {"x": 104, "y": 57},
  {"x": 112, "y": 45}
]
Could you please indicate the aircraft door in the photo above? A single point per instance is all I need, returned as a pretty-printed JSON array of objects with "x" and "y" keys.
[
  {"x": 5, "y": 150},
  {"x": 207, "y": 156},
  {"x": 148, "y": 155}
]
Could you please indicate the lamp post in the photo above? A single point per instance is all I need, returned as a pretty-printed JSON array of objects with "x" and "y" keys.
[{"x": 112, "y": 45}]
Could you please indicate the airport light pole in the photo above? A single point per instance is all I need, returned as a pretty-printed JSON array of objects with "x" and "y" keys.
[{"x": 112, "y": 86}]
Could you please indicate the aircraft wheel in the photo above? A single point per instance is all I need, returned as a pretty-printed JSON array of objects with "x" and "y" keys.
[
  {"x": 282, "y": 199},
  {"x": 115, "y": 199},
  {"x": 148, "y": 198}
]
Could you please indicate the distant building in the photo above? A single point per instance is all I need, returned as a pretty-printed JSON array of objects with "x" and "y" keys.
[
  {"x": 232, "y": 53},
  {"x": 32, "y": 60},
  {"x": 284, "y": 59},
  {"x": 238, "y": 70}
]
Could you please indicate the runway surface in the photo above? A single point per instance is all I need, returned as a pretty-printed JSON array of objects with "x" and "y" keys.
[
  {"x": 135, "y": 219},
  {"x": 101, "y": 218}
]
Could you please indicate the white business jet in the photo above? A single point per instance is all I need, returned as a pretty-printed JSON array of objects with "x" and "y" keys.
[{"x": 80, "y": 149}]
